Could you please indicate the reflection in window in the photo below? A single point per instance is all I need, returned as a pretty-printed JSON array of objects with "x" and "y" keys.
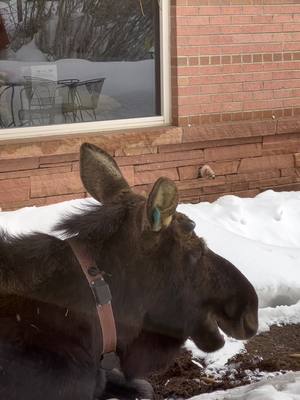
[{"x": 78, "y": 60}]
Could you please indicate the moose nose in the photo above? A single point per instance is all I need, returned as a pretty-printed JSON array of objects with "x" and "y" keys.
[{"x": 250, "y": 325}]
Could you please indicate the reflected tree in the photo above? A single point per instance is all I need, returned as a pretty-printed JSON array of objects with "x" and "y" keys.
[{"x": 97, "y": 30}]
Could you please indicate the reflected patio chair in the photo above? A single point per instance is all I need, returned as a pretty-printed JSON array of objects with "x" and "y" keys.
[
  {"x": 45, "y": 102},
  {"x": 38, "y": 100},
  {"x": 80, "y": 99}
]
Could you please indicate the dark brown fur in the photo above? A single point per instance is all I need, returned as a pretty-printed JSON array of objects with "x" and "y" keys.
[{"x": 166, "y": 286}]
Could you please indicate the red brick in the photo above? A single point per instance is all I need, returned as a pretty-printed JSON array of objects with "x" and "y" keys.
[
  {"x": 142, "y": 178},
  {"x": 189, "y": 21},
  {"x": 14, "y": 190},
  {"x": 56, "y": 184},
  {"x": 297, "y": 160},
  {"x": 19, "y": 164},
  {"x": 186, "y": 10},
  {"x": 266, "y": 162}
]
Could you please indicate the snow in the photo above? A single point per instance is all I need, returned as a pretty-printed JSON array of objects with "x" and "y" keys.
[
  {"x": 260, "y": 236},
  {"x": 284, "y": 387}
]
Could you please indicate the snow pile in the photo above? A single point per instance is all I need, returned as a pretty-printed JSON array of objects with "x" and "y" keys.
[{"x": 285, "y": 387}]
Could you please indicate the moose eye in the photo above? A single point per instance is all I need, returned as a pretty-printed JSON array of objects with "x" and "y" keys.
[{"x": 187, "y": 225}]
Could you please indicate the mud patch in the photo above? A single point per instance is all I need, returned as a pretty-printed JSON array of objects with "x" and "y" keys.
[{"x": 276, "y": 351}]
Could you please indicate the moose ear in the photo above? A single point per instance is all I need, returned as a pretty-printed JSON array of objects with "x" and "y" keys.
[
  {"x": 100, "y": 174},
  {"x": 162, "y": 203}
]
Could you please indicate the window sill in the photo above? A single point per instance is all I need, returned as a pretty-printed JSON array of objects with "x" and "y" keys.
[{"x": 54, "y": 131}]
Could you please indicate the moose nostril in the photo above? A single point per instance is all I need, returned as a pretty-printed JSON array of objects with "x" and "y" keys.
[{"x": 250, "y": 325}]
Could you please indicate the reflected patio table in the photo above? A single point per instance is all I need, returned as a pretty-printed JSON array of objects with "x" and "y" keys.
[{"x": 44, "y": 100}]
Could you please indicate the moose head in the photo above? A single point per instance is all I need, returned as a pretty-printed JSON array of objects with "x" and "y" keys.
[{"x": 167, "y": 285}]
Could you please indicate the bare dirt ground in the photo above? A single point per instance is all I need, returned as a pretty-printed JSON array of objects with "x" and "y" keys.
[{"x": 276, "y": 350}]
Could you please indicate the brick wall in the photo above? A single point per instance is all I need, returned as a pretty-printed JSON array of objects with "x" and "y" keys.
[
  {"x": 235, "y": 60},
  {"x": 236, "y": 107}
]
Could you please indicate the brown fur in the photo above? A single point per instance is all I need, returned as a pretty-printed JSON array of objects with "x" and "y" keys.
[{"x": 165, "y": 282}]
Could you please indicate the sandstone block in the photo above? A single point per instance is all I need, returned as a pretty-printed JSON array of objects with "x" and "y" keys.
[
  {"x": 128, "y": 173},
  {"x": 288, "y": 125},
  {"x": 232, "y": 152},
  {"x": 65, "y": 197},
  {"x": 142, "y": 178},
  {"x": 14, "y": 190},
  {"x": 133, "y": 150},
  {"x": 160, "y": 157},
  {"x": 266, "y": 162},
  {"x": 199, "y": 183},
  {"x": 271, "y": 183},
  {"x": 228, "y": 130},
  {"x": 253, "y": 176},
  {"x": 34, "y": 172},
  {"x": 169, "y": 164},
  {"x": 208, "y": 143},
  {"x": 56, "y": 184},
  {"x": 61, "y": 158},
  {"x": 19, "y": 164}
]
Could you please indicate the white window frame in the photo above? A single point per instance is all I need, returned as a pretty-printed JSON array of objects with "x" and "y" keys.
[{"x": 119, "y": 124}]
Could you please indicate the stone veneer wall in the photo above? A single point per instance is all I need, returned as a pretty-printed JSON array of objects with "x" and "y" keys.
[{"x": 247, "y": 158}]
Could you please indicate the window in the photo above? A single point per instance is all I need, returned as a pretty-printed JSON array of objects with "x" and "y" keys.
[{"x": 79, "y": 62}]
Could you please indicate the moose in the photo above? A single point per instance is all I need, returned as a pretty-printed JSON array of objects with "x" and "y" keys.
[{"x": 166, "y": 286}]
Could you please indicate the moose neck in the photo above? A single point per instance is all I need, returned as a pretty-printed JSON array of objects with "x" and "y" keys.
[{"x": 139, "y": 307}]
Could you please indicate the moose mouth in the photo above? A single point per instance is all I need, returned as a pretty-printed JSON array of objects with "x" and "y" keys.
[{"x": 209, "y": 337}]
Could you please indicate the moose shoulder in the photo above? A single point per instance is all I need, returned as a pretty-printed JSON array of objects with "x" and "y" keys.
[{"x": 166, "y": 286}]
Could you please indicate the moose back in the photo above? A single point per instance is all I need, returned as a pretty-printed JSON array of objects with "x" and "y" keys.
[{"x": 166, "y": 286}]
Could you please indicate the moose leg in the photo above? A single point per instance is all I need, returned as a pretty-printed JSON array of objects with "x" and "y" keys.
[
  {"x": 117, "y": 386},
  {"x": 25, "y": 376}
]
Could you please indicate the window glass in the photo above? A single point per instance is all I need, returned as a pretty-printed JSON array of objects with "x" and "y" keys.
[{"x": 68, "y": 61}]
